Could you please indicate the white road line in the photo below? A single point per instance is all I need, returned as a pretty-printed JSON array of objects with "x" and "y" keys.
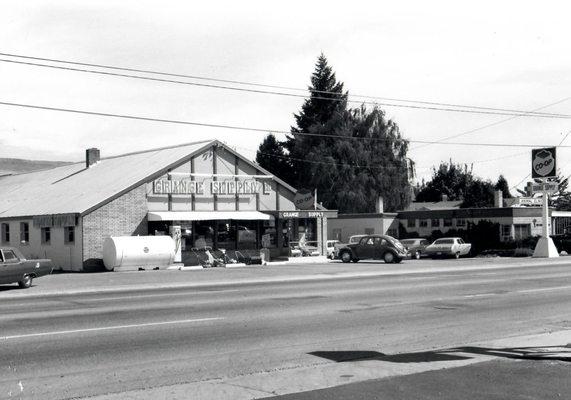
[
  {"x": 107, "y": 328},
  {"x": 543, "y": 289},
  {"x": 188, "y": 294},
  {"x": 468, "y": 296}
]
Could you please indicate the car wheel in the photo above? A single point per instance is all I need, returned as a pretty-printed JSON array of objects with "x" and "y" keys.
[
  {"x": 355, "y": 260},
  {"x": 417, "y": 255},
  {"x": 346, "y": 257},
  {"x": 26, "y": 282},
  {"x": 457, "y": 255},
  {"x": 389, "y": 257}
]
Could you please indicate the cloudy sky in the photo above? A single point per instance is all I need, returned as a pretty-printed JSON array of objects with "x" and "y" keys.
[{"x": 509, "y": 55}]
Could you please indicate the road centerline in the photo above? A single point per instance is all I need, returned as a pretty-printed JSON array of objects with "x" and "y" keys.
[{"x": 107, "y": 328}]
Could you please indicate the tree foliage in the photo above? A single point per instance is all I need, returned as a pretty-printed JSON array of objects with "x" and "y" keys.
[
  {"x": 272, "y": 156},
  {"x": 457, "y": 182},
  {"x": 353, "y": 173},
  {"x": 351, "y": 156}
]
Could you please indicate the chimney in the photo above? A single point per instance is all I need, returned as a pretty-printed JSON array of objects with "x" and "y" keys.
[
  {"x": 498, "y": 199},
  {"x": 380, "y": 206},
  {"x": 444, "y": 197},
  {"x": 91, "y": 157}
]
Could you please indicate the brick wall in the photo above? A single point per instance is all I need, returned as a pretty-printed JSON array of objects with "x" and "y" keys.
[{"x": 124, "y": 216}]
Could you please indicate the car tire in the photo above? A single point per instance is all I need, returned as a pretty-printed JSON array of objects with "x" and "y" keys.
[
  {"x": 389, "y": 257},
  {"x": 355, "y": 260},
  {"x": 417, "y": 255},
  {"x": 26, "y": 282},
  {"x": 457, "y": 255},
  {"x": 346, "y": 257}
]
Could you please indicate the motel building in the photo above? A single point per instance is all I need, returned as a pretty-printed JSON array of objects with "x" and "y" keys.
[{"x": 203, "y": 194}]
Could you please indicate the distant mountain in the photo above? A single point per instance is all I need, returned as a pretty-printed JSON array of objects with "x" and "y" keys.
[{"x": 16, "y": 165}]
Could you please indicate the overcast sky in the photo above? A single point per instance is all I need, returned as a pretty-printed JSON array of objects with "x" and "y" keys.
[{"x": 507, "y": 54}]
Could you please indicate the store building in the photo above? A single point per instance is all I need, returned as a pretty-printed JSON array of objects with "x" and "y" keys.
[{"x": 204, "y": 193}]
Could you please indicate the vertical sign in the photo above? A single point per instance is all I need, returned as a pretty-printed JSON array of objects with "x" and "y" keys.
[{"x": 543, "y": 163}]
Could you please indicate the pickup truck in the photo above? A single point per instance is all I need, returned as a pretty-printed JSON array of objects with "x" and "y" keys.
[
  {"x": 375, "y": 247},
  {"x": 14, "y": 267}
]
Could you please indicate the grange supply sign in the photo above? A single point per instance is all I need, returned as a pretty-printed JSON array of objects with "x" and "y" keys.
[
  {"x": 543, "y": 163},
  {"x": 210, "y": 187}
]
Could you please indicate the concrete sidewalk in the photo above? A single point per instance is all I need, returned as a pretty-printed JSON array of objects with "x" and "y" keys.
[
  {"x": 297, "y": 269},
  {"x": 327, "y": 374}
]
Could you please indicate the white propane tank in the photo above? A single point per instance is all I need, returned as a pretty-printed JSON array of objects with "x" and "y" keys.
[{"x": 133, "y": 252}]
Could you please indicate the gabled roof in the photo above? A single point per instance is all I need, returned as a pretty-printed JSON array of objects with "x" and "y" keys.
[
  {"x": 76, "y": 189},
  {"x": 433, "y": 205}
]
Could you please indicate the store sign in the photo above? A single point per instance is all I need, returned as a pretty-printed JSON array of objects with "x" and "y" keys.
[
  {"x": 304, "y": 199},
  {"x": 543, "y": 163},
  {"x": 210, "y": 187},
  {"x": 306, "y": 214},
  {"x": 529, "y": 201},
  {"x": 549, "y": 187}
]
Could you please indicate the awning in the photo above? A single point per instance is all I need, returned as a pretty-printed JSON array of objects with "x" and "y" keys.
[{"x": 206, "y": 215}]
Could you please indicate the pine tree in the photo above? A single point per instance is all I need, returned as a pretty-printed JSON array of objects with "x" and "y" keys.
[
  {"x": 502, "y": 184},
  {"x": 272, "y": 157},
  {"x": 326, "y": 101}
]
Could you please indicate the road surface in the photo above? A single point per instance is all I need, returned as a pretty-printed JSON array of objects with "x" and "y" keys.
[{"x": 75, "y": 345}]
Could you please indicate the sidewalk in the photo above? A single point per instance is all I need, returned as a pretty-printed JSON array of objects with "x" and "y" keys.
[{"x": 361, "y": 378}]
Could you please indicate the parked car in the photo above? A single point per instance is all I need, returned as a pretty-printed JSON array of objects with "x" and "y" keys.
[
  {"x": 375, "y": 247},
  {"x": 415, "y": 246},
  {"x": 14, "y": 268},
  {"x": 331, "y": 248},
  {"x": 449, "y": 247},
  {"x": 352, "y": 240}
]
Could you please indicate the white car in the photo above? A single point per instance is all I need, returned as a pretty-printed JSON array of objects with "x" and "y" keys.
[
  {"x": 331, "y": 248},
  {"x": 448, "y": 247}
]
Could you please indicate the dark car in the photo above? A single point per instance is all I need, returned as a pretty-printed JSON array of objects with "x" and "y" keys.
[
  {"x": 415, "y": 246},
  {"x": 374, "y": 247},
  {"x": 14, "y": 268}
]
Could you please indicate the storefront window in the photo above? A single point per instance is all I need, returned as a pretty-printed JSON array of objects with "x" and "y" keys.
[
  {"x": 204, "y": 236},
  {"x": 226, "y": 235},
  {"x": 247, "y": 234},
  {"x": 269, "y": 234}
]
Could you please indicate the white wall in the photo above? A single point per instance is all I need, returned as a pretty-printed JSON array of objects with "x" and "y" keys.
[{"x": 64, "y": 256}]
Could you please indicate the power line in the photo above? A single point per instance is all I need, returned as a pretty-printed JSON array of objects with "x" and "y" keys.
[
  {"x": 434, "y": 106},
  {"x": 494, "y": 123},
  {"x": 252, "y": 84},
  {"x": 241, "y": 128}
]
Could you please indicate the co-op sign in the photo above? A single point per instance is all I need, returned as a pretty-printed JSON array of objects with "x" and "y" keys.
[{"x": 543, "y": 163}]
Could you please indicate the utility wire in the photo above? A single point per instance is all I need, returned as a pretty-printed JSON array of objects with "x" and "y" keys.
[
  {"x": 338, "y": 97},
  {"x": 251, "y": 83},
  {"x": 241, "y": 128},
  {"x": 493, "y": 123}
]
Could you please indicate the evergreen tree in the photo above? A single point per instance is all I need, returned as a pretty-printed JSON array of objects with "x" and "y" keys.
[
  {"x": 326, "y": 101},
  {"x": 502, "y": 184},
  {"x": 272, "y": 157}
]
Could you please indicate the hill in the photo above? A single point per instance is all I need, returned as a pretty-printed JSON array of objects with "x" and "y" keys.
[{"x": 17, "y": 165}]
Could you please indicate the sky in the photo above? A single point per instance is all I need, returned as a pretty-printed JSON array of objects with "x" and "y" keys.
[{"x": 509, "y": 55}]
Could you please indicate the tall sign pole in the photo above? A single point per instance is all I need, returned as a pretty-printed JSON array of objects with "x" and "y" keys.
[{"x": 543, "y": 167}]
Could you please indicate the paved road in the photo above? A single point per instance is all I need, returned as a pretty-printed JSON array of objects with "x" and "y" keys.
[{"x": 55, "y": 346}]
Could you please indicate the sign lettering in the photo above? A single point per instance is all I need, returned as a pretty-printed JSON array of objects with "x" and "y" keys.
[
  {"x": 225, "y": 187},
  {"x": 543, "y": 163}
]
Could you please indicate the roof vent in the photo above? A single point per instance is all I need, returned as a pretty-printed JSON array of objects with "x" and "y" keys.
[{"x": 91, "y": 157}]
